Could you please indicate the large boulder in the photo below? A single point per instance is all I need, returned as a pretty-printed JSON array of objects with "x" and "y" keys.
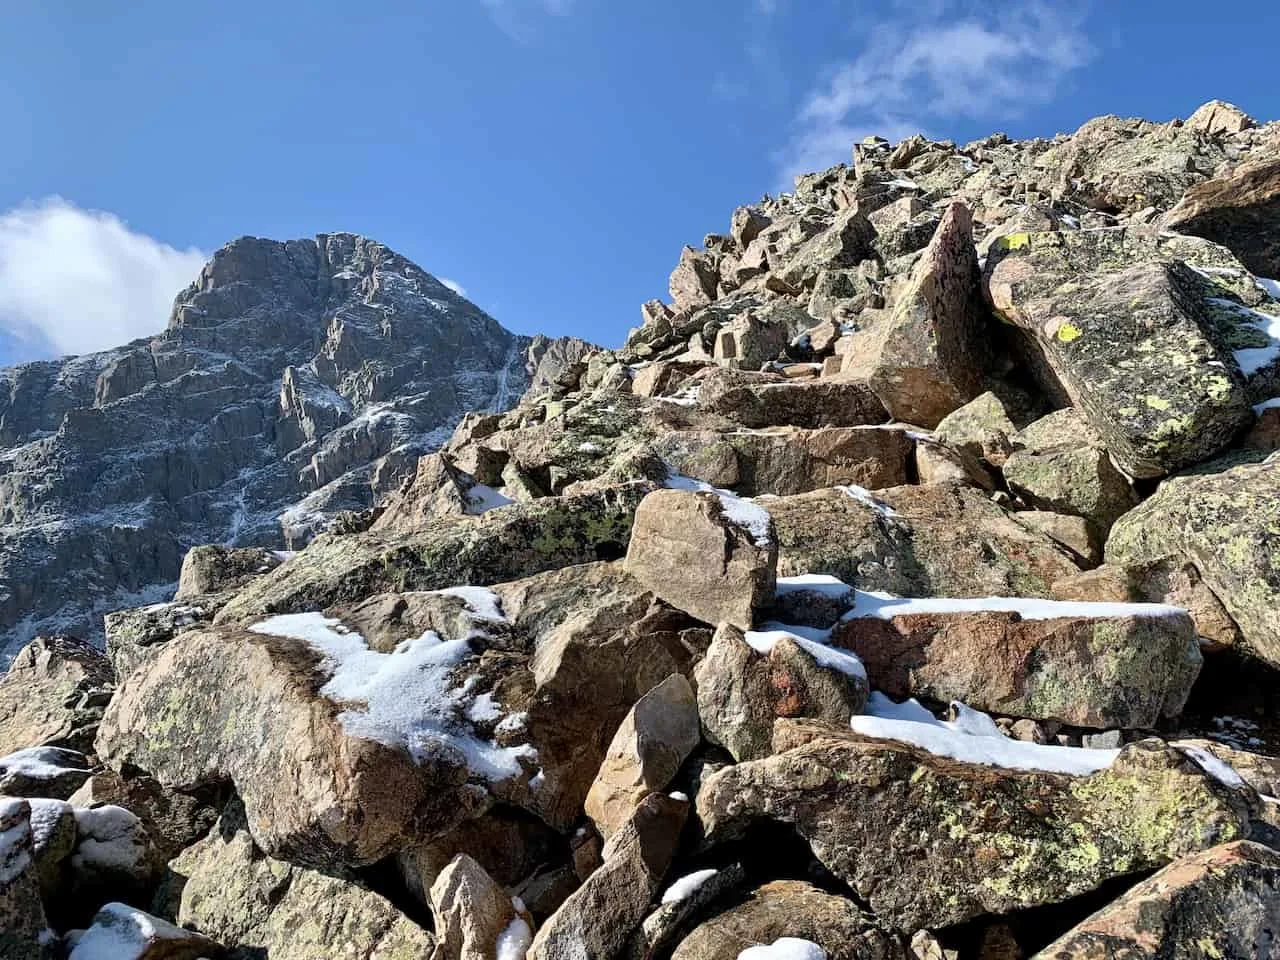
[
  {"x": 500, "y": 545},
  {"x": 931, "y": 359},
  {"x": 472, "y": 913},
  {"x": 655, "y": 738},
  {"x": 1222, "y": 903},
  {"x": 1222, "y": 522},
  {"x": 722, "y": 547},
  {"x": 790, "y": 908},
  {"x": 964, "y": 839},
  {"x": 1238, "y": 210},
  {"x": 1088, "y": 665},
  {"x": 53, "y": 695},
  {"x": 916, "y": 541},
  {"x": 601, "y": 916},
  {"x": 232, "y": 892},
  {"x": 770, "y": 400},
  {"x": 1125, "y": 331}
]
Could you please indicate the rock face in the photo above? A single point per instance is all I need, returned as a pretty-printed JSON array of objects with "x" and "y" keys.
[
  {"x": 1223, "y": 903},
  {"x": 295, "y": 380},
  {"x": 1239, "y": 210},
  {"x": 53, "y": 695}
]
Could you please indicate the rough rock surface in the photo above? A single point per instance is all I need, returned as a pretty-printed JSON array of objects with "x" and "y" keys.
[
  {"x": 53, "y": 695},
  {"x": 295, "y": 380},
  {"x": 233, "y": 893},
  {"x": 1222, "y": 903},
  {"x": 968, "y": 839}
]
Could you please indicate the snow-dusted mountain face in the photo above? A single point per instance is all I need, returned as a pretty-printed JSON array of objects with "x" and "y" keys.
[{"x": 295, "y": 380}]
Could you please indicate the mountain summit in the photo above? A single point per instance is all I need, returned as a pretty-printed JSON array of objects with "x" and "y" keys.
[{"x": 295, "y": 380}]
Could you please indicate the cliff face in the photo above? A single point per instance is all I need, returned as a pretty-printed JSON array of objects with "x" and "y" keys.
[{"x": 295, "y": 380}]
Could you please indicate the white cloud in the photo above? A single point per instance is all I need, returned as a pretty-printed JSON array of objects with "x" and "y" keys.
[
  {"x": 513, "y": 17},
  {"x": 453, "y": 285},
  {"x": 935, "y": 62},
  {"x": 81, "y": 280}
]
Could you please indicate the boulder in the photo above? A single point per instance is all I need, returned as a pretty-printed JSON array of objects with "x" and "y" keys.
[
  {"x": 213, "y": 569},
  {"x": 498, "y": 546},
  {"x": 655, "y": 738},
  {"x": 693, "y": 282},
  {"x": 769, "y": 400},
  {"x": 982, "y": 428},
  {"x": 137, "y": 634},
  {"x": 1219, "y": 520},
  {"x": 1126, "y": 335},
  {"x": 232, "y": 892},
  {"x": 1238, "y": 210},
  {"x": 1102, "y": 666},
  {"x": 600, "y": 917},
  {"x": 43, "y": 772},
  {"x": 967, "y": 839},
  {"x": 916, "y": 541},
  {"x": 1057, "y": 465},
  {"x": 472, "y": 913},
  {"x": 744, "y": 686},
  {"x": 1222, "y": 903},
  {"x": 791, "y": 908},
  {"x": 932, "y": 357},
  {"x": 23, "y": 930},
  {"x": 685, "y": 900},
  {"x": 53, "y": 695},
  {"x": 126, "y": 933},
  {"x": 1217, "y": 117},
  {"x": 723, "y": 547}
]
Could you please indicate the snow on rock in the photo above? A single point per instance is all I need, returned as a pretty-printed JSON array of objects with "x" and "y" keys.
[
  {"x": 15, "y": 839},
  {"x": 121, "y": 932},
  {"x": 1220, "y": 770},
  {"x": 1253, "y": 359},
  {"x": 742, "y": 513},
  {"x": 785, "y": 948},
  {"x": 687, "y": 886},
  {"x": 481, "y": 601},
  {"x": 37, "y": 763},
  {"x": 111, "y": 839},
  {"x": 972, "y": 737},
  {"x": 863, "y": 495},
  {"x": 885, "y": 606},
  {"x": 409, "y": 699},
  {"x": 820, "y": 583},
  {"x": 514, "y": 941},
  {"x": 481, "y": 499},
  {"x": 812, "y": 641},
  {"x": 1270, "y": 287}
]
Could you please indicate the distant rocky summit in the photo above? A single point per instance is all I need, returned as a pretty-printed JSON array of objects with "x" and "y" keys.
[
  {"x": 295, "y": 381},
  {"x": 905, "y": 588}
]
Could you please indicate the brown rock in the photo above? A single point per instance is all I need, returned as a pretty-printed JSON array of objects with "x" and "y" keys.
[
  {"x": 724, "y": 549},
  {"x": 603, "y": 914},
  {"x": 932, "y": 356},
  {"x": 693, "y": 282},
  {"x": 471, "y": 912},
  {"x": 53, "y": 695},
  {"x": 1222, "y": 903},
  {"x": 790, "y": 908},
  {"x": 768, "y": 400},
  {"x": 1239, "y": 210},
  {"x": 22, "y": 919},
  {"x": 659, "y": 732},
  {"x": 118, "y": 926},
  {"x": 1218, "y": 117},
  {"x": 1103, "y": 671}
]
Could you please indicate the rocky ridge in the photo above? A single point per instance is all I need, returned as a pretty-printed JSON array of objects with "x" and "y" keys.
[
  {"x": 902, "y": 589},
  {"x": 294, "y": 381}
]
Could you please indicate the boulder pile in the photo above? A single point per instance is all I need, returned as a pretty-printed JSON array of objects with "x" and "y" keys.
[{"x": 905, "y": 588}]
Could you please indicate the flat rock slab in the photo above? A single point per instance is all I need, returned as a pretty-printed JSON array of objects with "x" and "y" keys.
[
  {"x": 964, "y": 839},
  {"x": 1089, "y": 665}
]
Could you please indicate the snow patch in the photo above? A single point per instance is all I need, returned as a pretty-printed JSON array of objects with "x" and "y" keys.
[
  {"x": 409, "y": 700},
  {"x": 785, "y": 948},
  {"x": 1270, "y": 287},
  {"x": 687, "y": 886},
  {"x": 812, "y": 641},
  {"x": 1266, "y": 405},
  {"x": 863, "y": 495},
  {"x": 819, "y": 583},
  {"x": 741, "y": 513},
  {"x": 109, "y": 838},
  {"x": 514, "y": 941},
  {"x": 1220, "y": 770},
  {"x": 481, "y": 601},
  {"x": 885, "y": 606},
  {"x": 481, "y": 499},
  {"x": 37, "y": 763},
  {"x": 121, "y": 932},
  {"x": 15, "y": 842},
  {"x": 972, "y": 737},
  {"x": 1253, "y": 359}
]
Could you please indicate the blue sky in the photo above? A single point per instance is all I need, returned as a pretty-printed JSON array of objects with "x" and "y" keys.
[{"x": 550, "y": 156}]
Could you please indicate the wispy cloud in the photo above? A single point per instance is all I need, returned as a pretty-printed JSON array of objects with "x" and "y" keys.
[
  {"x": 516, "y": 18},
  {"x": 932, "y": 62},
  {"x": 75, "y": 281},
  {"x": 453, "y": 285}
]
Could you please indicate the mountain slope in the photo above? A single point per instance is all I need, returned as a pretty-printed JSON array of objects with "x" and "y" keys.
[{"x": 295, "y": 379}]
